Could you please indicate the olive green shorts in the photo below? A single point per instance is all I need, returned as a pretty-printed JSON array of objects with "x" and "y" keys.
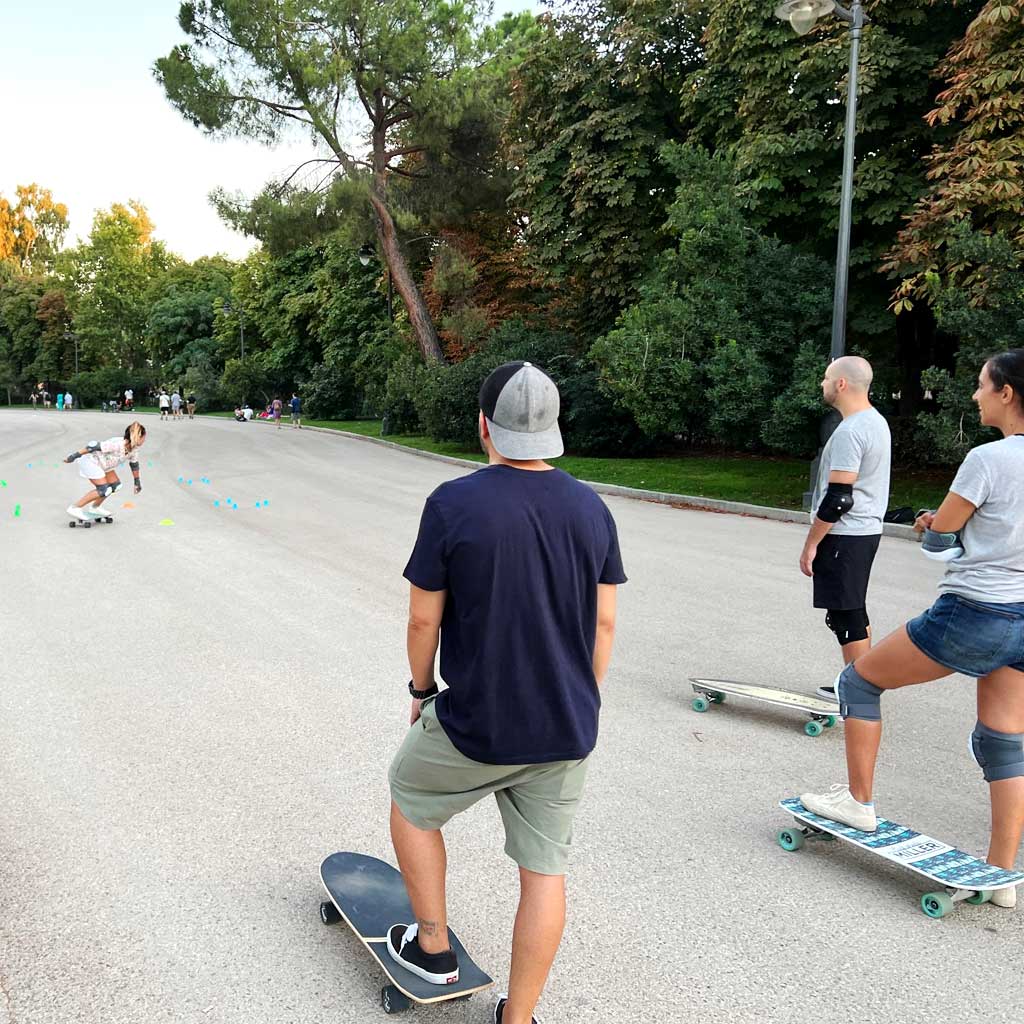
[{"x": 431, "y": 782}]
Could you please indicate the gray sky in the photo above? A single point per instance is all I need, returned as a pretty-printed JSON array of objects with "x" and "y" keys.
[{"x": 84, "y": 117}]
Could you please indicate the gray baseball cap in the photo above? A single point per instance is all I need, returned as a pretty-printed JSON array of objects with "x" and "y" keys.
[{"x": 520, "y": 403}]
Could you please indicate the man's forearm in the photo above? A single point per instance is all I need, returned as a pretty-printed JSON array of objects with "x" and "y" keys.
[
  {"x": 603, "y": 652},
  {"x": 817, "y": 533},
  {"x": 421, "y": 644}
]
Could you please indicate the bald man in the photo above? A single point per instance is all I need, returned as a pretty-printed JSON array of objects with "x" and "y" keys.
[{"x": 850, "y": 498}]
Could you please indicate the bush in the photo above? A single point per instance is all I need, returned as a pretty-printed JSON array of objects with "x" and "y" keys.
[
  {"x": 405, "y": 381},
  {"x": 92, "y": 387},
  {"x": 328, "y": 393}
]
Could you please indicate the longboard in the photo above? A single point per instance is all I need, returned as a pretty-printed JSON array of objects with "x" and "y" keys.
[
  {"x": 822, "y": 714},
  {"x": 964, "y": 877},
  {"x": 369, "y": 896}
]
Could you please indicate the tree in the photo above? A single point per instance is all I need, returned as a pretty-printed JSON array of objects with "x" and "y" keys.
[
  {"x": 110, "y": 275},
  {"x": 977, "y": 175},
  {"x": 593, "y": 101},
  {"x": 405, "y": 66},
  {"x": 32, "y": 231}
]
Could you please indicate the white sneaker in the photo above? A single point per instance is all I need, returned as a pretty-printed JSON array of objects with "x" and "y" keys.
[
  {"x": 76, "y": 513},
  {"x": 839, "y": 805},
  {"x": 1005, "y": 897},
  {"x": 827, "y": 693}
]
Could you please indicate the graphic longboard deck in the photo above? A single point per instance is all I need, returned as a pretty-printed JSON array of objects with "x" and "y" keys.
[
  {"x": 965, "y": 877},
  {"x": 370, "y": 897},
  {"x": 823, "y": 714}
]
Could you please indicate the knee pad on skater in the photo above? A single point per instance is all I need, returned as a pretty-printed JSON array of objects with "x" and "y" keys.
[
  {"x": 848, "y": 624},
  {"x": 857, "y": 697},
  {"x": 1000, "y": 755},
  {"x": 114, "y": 486},
  {"x": 103, "y": 490}
]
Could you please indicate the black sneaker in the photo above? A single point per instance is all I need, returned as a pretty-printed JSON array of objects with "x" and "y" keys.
[
  {"x": 827, "y": 693},
  {"x": 404, "y": 947},
  {"x": 499, "y": 1009}
]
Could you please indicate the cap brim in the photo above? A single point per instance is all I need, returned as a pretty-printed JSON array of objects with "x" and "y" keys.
[{"x": 522, "y": 447}]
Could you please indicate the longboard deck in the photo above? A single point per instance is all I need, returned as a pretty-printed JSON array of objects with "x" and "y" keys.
[
  {"x": 370, "y": 896},
  {"x": 935, "y": 860},
  {"x": 767, "y": 695}
]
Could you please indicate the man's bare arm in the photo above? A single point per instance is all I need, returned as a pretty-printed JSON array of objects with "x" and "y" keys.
[{"x": 606, "y": 600}]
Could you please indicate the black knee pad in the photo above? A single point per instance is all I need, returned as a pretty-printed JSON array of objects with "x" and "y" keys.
[
  {"x": 103, "y": 490},
  {"x": 114, "y": 486},
  {"x": 849, "y": 625}
]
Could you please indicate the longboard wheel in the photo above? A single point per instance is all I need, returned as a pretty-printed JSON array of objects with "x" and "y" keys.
[
  {"x": 980, "y": 897},
  {"x": 936, "y": 904},
  {"x": 791, "y": 838},
  {"x": 813, "y": 728},
  {"x": 393, "y": 1001},
  {"x": 717, "y": 698},
  {"x": 329, "y": 913},
  {"x": 830, "y": 722},
  {"x": 701, "y": 703}
]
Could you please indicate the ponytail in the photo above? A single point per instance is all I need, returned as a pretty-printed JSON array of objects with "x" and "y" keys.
[{"x": 134, "y": 435}]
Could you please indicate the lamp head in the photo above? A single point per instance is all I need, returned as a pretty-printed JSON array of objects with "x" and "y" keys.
[
  {"x": 365, "y": 254},
  {"x": 803, "y": 14}
]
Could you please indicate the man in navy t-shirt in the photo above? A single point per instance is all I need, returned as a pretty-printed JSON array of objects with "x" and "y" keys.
[{"x": 515, "y": 566}]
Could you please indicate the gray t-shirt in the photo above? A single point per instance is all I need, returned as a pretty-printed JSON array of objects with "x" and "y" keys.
[
  {"x": 991, "y": 569},
  {"x": 861, "y": 444}
]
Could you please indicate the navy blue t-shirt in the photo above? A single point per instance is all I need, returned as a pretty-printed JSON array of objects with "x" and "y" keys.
[{"x": 521, "y": 554}]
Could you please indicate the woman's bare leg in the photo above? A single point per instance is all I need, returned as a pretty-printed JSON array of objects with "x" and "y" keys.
[
  {"x": 1001, "y": 707},
  {"x": 894, "y": 663}
]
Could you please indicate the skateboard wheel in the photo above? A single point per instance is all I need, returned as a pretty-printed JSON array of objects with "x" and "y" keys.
[
  {"x": 701, "y": 703},
  {"x": 936, "y": 904},
  {"x": 830, "y": 721},
  {"x": 717, "y": 698},
  {"x": 393, "y": 1001},
  {"x": 813, "y": 728},
  {"x": 329, "y": 913},
  {"x": 980, "y": 897},
  {"x": 791, "y": 838}
]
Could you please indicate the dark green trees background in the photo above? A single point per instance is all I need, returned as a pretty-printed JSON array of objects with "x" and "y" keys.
[{"x": 639, "y": 195}]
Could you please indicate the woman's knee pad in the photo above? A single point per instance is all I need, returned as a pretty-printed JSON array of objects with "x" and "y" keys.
[
  {"x": 1000, "y": 755},
  {"x": 857, "y": 697}
]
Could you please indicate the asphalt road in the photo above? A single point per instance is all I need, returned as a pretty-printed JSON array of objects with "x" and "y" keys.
[{"x": 193, "y": 716}]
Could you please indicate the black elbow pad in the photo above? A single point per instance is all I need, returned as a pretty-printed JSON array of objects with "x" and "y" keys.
[{"x": 837, "y": 502}]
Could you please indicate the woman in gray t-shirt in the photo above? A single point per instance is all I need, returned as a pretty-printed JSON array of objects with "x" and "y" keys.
[{"x": 975, "y": 627}]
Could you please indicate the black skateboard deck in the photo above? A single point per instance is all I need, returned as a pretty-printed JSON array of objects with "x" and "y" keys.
[{"x": 369, "y": 896}]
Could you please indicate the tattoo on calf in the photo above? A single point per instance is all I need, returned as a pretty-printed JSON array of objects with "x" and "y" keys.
[{"x": 427, "y": 927}]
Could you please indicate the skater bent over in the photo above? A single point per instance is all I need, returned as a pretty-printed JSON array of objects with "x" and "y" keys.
[
  {"x": 975, "y": 627},
  {"x": 516, "y": 565},
  {"x": 97, "y": 462}
]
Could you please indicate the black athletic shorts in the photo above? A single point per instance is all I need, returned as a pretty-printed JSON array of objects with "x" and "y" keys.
[{"x": 842, "y": 568}]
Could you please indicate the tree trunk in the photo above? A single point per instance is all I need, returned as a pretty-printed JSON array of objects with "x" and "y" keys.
[{"x": 419, "y": 317}]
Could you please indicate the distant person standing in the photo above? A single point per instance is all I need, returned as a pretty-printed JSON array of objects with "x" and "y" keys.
[
  {"x": 276, "y": 406},
  {"x": 175, "y": 405},
  {"x": 164, "y": 401},
  {"x": 46, "y": 399},
  {"x": 190, "y": 406},
  {"x": 60, "y": 401},
  {"x": 69, "y": 402},
  {"x": 851, "y": 495},
  {"x": 34, "y": 398},
  {"x": 296, "y": 406},
  {"x": 129, "y": 399}
]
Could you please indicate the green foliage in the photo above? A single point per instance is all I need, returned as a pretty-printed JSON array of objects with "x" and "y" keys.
[
  {"x": 594, "y": 100},
  {"x": 245, "y": 380},
  {"x": 92, "y": 387},
  {"x": 720, "y": 321},
  {"x": 987, "y": 322}
]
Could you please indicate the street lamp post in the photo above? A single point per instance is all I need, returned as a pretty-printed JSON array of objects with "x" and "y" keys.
[
  {"x": 365, "y": 255},
  {"x": 802, "y": 16}
]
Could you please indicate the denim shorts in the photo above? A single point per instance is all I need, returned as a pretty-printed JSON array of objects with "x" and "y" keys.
[{"x": 971, "y": 637}]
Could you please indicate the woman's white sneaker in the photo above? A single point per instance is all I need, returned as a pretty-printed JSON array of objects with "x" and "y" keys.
[
  {"x": 1004, "y": 897},
  {"x": 839, "y": 805}
]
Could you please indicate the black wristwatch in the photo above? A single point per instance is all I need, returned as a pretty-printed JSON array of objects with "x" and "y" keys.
[{"x": 421, "y": 694}]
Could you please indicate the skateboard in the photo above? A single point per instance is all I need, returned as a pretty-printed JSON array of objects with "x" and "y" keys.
[
  {"x": 73, "y": 522},
  {"x": 965, "y": 878},
  {"x": 369, "y": 896},
  {"x": 823, "y": 714}
]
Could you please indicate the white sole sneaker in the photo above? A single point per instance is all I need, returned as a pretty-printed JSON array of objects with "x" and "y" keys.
[
  {"x": 448, "y": 978},
  {"x": 839, "y": 805},
  {"x": 827, "y": 693},
  {"x": 1006, "y": 898}
]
